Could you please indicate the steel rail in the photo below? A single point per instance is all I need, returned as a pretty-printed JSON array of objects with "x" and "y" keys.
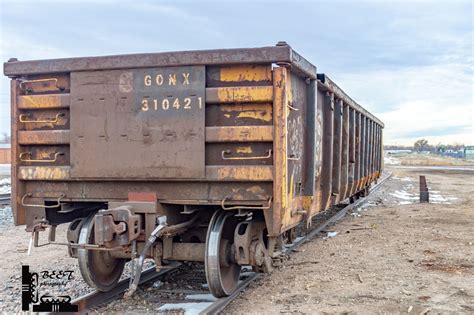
[
  {"x": 220, "y": 304},
  {"x": 96, "y": 298}
]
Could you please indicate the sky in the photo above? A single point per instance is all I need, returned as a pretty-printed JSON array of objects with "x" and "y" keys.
[{"x": 408, "y": 62}]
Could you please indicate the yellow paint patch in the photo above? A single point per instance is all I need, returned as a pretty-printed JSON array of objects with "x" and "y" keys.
[
  {"x": 245, "y": 73},
  {"x": 306, "y": 202},
  {"x": 259, "y": 115},
  {"x": 245, "y": 94},
  {"x": 44, "y": 173},
  {"x": 261, "y": 112},
  {"x": 244, "y": 150},
  {"x": 250, "y": 173},
  {"x": 43, "y": 101}
]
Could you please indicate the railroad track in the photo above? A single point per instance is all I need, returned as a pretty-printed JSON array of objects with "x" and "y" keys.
[
  {"x": 97, "y": 298},
  {"x": 5, "y": 199}
]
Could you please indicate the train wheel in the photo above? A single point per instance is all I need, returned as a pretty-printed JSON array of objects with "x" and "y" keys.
[
  {"x": 222, "y": 272},
  {"x": 98, "y": 268}
]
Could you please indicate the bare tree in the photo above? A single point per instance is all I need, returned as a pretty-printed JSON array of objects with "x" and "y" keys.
[{"x": 420, "y": 145}]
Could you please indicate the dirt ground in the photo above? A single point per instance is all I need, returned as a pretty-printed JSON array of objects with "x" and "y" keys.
[
  {"x": 392, "y": 255},
  {"x": 396, "y": 257}
]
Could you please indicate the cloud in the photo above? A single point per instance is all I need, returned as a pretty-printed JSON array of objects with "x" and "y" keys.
[
  {"x": 13, "y": 45},
  {"x": 439, "y": 84},
  {"x": 409, "y": 62},
  {"x": 418, "y": 101},
  {"x": 418, "y": 119}
]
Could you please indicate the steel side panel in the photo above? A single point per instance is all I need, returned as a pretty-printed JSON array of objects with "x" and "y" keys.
[
  {"x": 327, "y": 150},
  {"x": 357, "y": 169},
  {"x": 374, "y": 146},
  {"x": 297, "y": 151},
  {"x": 337, "y": 152},
  {"x": 318, "y": 197},
  {"x": 367, "y": 147},
  {"x": 18, "y": 188},
  {"x": 280, "y": 99},
  {"x": 312, "y": 136},
  {"x": 372, "y": 143},
  {"x": 377, "y": 150},
  {"x": 345, "y": 153},
  {"x": 362, "y": 151},
  {"x": 352, "y": 156},
  {"x": 138, "y": 124},
  {"x": 379, "y": 145}
]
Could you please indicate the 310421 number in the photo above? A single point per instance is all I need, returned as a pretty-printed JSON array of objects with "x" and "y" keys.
[{"x": 166, "y": 104}]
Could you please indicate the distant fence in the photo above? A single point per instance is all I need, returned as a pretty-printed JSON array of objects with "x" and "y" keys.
[{"x": 5, "y": 156}]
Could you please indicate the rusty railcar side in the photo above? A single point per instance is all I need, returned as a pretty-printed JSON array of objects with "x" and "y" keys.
[{"x": 203, "y": 138}]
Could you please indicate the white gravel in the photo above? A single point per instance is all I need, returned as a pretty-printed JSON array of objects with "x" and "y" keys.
[{"x": 6, "y": 216}]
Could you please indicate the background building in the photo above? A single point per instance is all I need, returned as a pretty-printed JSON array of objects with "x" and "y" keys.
[
  {"x": 469, "y": 152},
  {"x": 5, "y": 153}
]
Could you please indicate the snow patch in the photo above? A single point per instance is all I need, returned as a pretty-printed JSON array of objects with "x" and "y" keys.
[
  {"x": 390, "y": 160},
  {"x": 207, "y": 297},
  {"x": 437, "y": 198},
  {"x": 409, "y": 198},
  {"x": 402, "y": 194},
  {"x": 330, "y": 235},
  {"x": 188, "y": 308}
]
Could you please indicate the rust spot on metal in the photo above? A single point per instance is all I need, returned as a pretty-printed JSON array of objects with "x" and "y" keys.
[
  {"x": 239, "y": 133},
  {"x": 143, "y": 196},
  {"x": 43, "y": 137}
]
